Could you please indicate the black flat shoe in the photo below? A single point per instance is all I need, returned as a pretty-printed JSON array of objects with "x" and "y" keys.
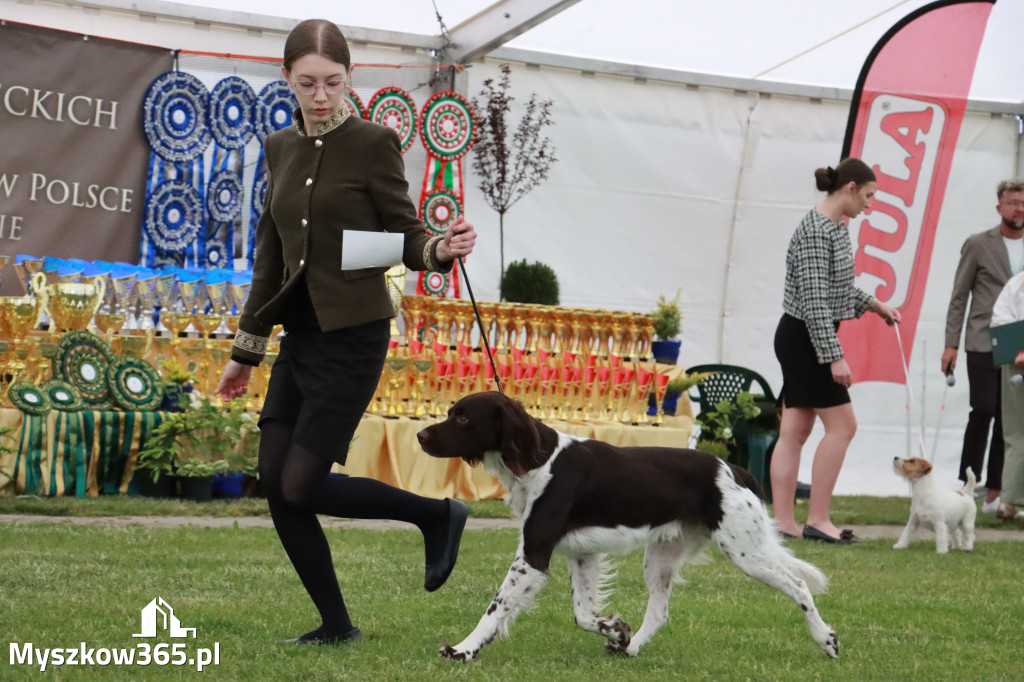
[
  {"x": 318, "y": 636},
  {"x": 789, "y": 536},
  {"x": 845, "y": 537},
  {"x": 437, "y": 573}
]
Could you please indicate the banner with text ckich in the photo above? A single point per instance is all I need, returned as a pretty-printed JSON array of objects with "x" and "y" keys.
[
  {"x": 904, "y": 122},
  {"x": 72, "y": 152}
]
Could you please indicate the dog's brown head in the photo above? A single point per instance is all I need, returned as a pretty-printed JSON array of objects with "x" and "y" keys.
[
  {"x": 911, "y": 468},
  {"x": 490, "y": 422}
]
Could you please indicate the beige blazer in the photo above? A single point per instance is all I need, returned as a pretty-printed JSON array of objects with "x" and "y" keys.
[{"x": 983, "y": 271}]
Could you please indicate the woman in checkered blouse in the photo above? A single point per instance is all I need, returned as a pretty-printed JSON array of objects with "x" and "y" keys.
[{"x": 819, "y": 294}]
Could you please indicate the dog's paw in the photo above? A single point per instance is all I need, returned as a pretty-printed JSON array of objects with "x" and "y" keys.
[
  {"x": 900, "y": 545},
  {"x": 831, "y": 645},
  {"x": 450, "y": 652},
  {"x": 618, "y": 632},
  {"x": 615, "y": 647}
]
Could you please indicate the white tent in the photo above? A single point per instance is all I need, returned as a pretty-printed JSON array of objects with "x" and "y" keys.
[{"x": 686, "y": 135}]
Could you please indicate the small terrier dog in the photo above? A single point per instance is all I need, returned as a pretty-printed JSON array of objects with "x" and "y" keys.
[{"x": 949, "y": 513}]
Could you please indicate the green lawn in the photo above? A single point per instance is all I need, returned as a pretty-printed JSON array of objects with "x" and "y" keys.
[{"x": 910, "y": 615}]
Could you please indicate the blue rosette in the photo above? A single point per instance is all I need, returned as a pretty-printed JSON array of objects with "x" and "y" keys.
[
  {"x": 231, "y": 104},
  {"x": 274, "y": 108},
  {"x": 224, "y": 196},
  {"x": 175, "y": 116},
  {"x": 216, "y": 253},
  {"x": 174, "y": 215}
]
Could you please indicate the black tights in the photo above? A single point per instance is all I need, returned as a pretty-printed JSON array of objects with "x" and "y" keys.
[{"x": 298, "y": 487}]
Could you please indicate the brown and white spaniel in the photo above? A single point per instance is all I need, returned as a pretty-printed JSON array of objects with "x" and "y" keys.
[{"x": 585, "y": 499}]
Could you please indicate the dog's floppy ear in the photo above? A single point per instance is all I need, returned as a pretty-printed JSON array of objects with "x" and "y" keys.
[{"x": 520, "y": 440}]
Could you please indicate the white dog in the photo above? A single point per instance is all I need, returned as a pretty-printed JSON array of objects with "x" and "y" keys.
[{"x": 947, "y": 512}]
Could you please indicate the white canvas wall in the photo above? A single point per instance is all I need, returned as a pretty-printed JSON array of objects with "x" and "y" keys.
[{"x": 660, "y": 187}]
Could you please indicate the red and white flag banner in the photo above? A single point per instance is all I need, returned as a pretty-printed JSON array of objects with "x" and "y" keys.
[{"x": 904, "y": 122}]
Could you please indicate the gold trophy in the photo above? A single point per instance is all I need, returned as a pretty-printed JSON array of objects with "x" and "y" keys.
[
  {"x": 18, "y": 315},
  {"x": 123, "y": 286},
  {"x": 463, "y": 313},
  {"x": 394, "y": 390},
  {"x": 239, "y": 295},
  {"x": 418, "y": 389},
  {"x": 166, "y": 292},
  {"x": 71, "y": 305},
  {"x": 146, "y": 293},
  {"x": 25, "y": 267}
]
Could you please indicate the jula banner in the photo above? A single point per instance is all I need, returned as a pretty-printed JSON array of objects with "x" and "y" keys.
[
  {"x": 73, "y": 155},
  {"x": 904, "y": 122}
]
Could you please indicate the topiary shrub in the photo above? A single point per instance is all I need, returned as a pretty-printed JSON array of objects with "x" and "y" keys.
[{"x": 529, "y": 283}]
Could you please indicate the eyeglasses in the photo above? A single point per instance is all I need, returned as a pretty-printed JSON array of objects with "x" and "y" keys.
[
  {"x": 1016, "y": 203},
  {"x": 308, "y": 88}
]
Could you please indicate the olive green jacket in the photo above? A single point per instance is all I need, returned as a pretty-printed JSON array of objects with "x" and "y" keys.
[{"x": 349, "y": 177}]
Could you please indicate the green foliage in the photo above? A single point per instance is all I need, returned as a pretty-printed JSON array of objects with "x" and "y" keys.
[
  {"x": 683, "y": 383},
  {"x": 205, "y": 440},
  {"x": 175, "y": 373},
  {"x": 529, "y": 283},
  {"x": 718, "y": 423},
  {"x": 667, "y": 318}
]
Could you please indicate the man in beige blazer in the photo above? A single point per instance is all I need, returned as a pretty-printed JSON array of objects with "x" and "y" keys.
[{"x": 985, "y": 267}]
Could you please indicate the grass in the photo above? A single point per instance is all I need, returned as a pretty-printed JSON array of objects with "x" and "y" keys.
[
  {"x": 900, "y": 615},
  {"x": 849, "y": 510}
]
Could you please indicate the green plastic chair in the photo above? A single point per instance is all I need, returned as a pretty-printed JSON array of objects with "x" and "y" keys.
[{"x": 755, "y": 440}]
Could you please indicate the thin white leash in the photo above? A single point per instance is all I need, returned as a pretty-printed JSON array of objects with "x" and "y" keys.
[
  {"x": 910, "y": 391},
  {"x": 942, "y": 413}
]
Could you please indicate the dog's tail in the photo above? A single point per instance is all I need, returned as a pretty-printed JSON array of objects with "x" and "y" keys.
[
  {"x": 817, "y": 581},
  {"x": 968, "y": 489}
]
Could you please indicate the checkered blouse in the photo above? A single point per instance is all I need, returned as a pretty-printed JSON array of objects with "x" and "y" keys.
[{"x": 819, "y": 282}]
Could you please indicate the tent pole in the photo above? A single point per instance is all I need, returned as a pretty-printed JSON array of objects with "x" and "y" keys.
[{"x": 746, "y": 161}]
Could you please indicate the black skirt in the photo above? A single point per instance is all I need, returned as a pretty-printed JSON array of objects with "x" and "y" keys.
[
  {"x": 322, "y": 382},
  {"x": 805, "y": 381}
]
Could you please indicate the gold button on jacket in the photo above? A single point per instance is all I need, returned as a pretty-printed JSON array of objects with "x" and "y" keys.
[{"x": 356, "y": 181}]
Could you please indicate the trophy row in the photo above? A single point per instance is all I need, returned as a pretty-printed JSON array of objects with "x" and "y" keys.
[
  {"x": 422, "y": 380},
  {"x": 118, "y": 297},
  {"x": 530, "y": 328}
]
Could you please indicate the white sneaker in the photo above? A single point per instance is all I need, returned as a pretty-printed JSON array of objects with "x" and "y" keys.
[{"x": 990, "y": 507}]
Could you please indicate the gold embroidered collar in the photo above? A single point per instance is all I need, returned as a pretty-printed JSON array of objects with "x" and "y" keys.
[{"x": 323, "y": 127}]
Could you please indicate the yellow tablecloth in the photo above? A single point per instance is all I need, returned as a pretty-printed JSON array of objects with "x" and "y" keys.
[
  {"x": 91, "y": 453},
  {"x": 387, "y": 449}
]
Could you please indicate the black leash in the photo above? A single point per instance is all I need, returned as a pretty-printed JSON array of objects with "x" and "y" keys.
[{"x": 480, "y": 324}]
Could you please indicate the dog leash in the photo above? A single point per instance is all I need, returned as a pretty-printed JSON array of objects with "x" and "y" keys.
[
  {"x": 480, "y": 325},
  {"x": 910, "y": 391}
]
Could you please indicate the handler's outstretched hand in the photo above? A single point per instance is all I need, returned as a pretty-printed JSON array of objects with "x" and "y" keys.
[{"x": 234, "y": 381}]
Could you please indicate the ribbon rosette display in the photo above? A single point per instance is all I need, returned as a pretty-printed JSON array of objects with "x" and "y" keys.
[
  {"x": 394, "y": 108},
  {"x": 447, "y": 129},
  {"x": 176, "y": 124}
]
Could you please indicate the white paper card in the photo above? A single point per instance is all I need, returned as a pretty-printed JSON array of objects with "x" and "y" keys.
[{"x": 361, "y": 249}]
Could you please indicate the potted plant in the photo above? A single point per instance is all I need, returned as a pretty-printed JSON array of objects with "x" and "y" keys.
[
  {"x": 718, "y": 425},
  {"x": 177, "y": 383},
  {"x": 242, "y": 462},
  {"x": 529, "y": 283},
  {"x": 196, "y": 444},
  {"x": 667, "y": 326}
]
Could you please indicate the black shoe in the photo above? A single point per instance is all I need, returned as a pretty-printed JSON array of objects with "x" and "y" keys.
[
  {"x": 845, "y": 537},
  {"x": 321, "y": 636},
  {"x": 437, "y": 573}
]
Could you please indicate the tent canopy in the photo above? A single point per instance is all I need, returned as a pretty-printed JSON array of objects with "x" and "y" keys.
[{"x": 792, "y": 41}]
